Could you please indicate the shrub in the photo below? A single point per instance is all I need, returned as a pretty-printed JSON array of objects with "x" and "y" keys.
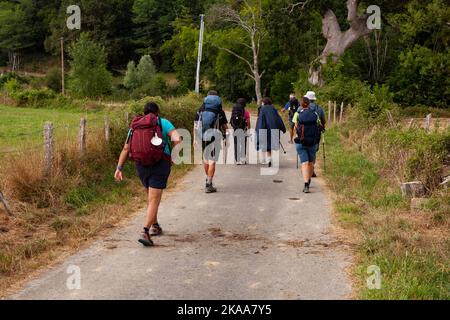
[
  {"x": 53, "y": 79},
  {"x": 32, "y": 97},
  {"x": 156, "y": 86},
  {"x": 11, "y": 86},
  {"x": 180, "y": 111}
]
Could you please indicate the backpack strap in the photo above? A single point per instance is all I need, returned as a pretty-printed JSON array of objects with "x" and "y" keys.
[{"x": 165, "y": 156}]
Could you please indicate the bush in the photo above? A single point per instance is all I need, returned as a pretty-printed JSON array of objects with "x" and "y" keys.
[
  {"x": 8, "y": 76},
  {"x": 32, "y": 97},
  {"x": 180, "y": 111},
  {"x": 156, "y": 86},
  {"x": 53, "y": 79},
  {"x": 11, "y": 86}
]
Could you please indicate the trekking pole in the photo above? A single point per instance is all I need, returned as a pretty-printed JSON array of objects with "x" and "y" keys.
[
  {"x": 324, "y": 155},
  {"x": 284, "y": 150}
]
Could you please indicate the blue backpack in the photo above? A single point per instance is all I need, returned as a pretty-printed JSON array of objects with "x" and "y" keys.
[
  {"x": 308, "y": 128},
  {"x": 209, "y": 116}
]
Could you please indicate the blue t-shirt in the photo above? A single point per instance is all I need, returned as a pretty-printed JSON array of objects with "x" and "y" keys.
[{"x": 167, "y": 127}]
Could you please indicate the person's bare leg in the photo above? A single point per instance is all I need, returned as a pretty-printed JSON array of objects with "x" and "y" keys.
[
  {"x": 291, "y": 132},
  {"x": 211, "y": 170},
  {"x": 306, "y": 171},
  {"x": 206, "y": 167},
  {"x": 154, "y": 199}
]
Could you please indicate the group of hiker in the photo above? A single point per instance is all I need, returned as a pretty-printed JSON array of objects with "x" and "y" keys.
[{"x": 149, "y": 136}]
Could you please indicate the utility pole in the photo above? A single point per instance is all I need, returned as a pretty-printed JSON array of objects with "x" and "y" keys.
[
  {"x": 200, "y": 51},
  {"x": 62, "y": 66}
]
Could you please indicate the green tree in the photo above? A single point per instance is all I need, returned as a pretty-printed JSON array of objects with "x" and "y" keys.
[
  {"x": 16, "y": 31},
  {"x": 108, "y": 23},
  {"x": 89, "y": 76},
  {"x": 423, "y": 72},
  {"x": 131, "y": 80},
  {"x": 146, "y": 69},
  {"x": 182, "y": 48},
  {"x": 137, "y": 76}
]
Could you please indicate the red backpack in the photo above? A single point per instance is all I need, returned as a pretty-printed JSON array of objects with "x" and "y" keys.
[{"x": 142, "y": 151}]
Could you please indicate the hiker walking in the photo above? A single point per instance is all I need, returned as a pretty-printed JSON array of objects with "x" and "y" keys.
[
  {"x": 307, "y": 127},
  {"x": 311, "y": 95},
  {"x": 147, "y": 144},
  {"x": 210, "y": 123},
  {"x": 268, "y": 129},
  {"x": 291, "y": 107},
  {"x": 240, "y": 122}
]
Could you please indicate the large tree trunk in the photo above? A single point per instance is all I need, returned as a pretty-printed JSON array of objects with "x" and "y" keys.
[
  {"x": 259, "y": 96},
  {"x": 256, "y": 74},
  {"x": 337, "y": 40}
]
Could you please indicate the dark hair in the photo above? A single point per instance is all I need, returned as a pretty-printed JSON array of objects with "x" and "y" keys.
[
  {"x": 213, "y": 93},
  {"x": 306, "y": 101},
  {"x": 241, "y": 101},
  {"x": 295, "y": 102},
  {"x": 151, "y": 107},
  {"x": 267, "y": 101}
]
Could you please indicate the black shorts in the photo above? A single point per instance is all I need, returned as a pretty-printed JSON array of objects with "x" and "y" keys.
[{"x": 155, "y": 176}]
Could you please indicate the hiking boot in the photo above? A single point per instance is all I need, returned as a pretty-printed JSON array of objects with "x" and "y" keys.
[
  {"x": 306, "y": 189},
  {"x": 145, "y": 239},
  {"x": 156, "y": 230},
  {"x": 210, "y": 188}
]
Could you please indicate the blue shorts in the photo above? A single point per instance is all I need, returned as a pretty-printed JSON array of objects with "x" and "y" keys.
[
  {"x": 155, "y": 176},
  {"x": 306, "y": 154}
]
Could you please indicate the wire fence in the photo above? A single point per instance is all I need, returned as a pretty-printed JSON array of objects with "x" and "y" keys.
[{"x": 77, "y": 133}]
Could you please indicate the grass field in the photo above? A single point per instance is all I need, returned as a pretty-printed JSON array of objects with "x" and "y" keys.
[{"x": 23, "y": 127}]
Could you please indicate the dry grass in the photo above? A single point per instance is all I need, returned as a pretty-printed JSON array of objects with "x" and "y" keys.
[{"x": 58, "y": 214}]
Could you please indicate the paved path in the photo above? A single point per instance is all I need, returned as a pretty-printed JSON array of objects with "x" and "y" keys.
[{"x": 255, "y": 239}]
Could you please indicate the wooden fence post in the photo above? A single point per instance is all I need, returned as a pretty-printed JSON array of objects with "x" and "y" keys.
[
  {"x": 329, "y": 111},
  {"x": 428, "y": 122},
  {"x": 5, "y": 204},
  {"x": 107, "y": 130},
  {"x": 48, "y": 147},
  {"x": 82, "y": 136},
  {"x": 335, "y": 110},
  {"x": 391, "y": 119},
  {"x": 342, "y": 112}
]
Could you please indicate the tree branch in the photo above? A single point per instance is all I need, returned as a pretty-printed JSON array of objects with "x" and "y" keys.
[
  {"x": 237, "y": 56},
  {"x": 293, "y": 6}
]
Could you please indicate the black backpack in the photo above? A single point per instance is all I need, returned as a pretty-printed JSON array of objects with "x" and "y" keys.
[
  {"x": 237, "y": 120},
  {"x": 294, "y": 105},
  {"x": 308, "y": 128}
]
